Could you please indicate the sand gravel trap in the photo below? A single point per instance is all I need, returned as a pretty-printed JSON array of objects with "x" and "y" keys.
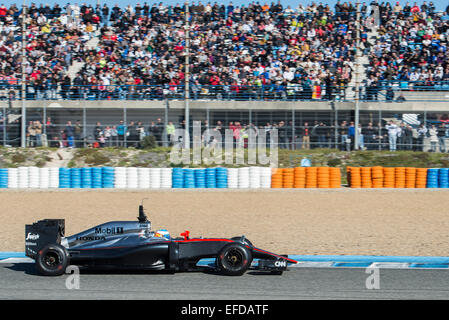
[{"x": 344, "y": 221}]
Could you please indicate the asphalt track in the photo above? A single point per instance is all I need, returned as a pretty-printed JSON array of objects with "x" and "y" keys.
[{"x": 19, "y": 281}]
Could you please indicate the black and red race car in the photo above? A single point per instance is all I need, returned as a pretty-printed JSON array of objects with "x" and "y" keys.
[{"x": 132, "y": 245}]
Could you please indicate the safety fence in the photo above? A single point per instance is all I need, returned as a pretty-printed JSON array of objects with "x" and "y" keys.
[{"x": 221, "y": 178}]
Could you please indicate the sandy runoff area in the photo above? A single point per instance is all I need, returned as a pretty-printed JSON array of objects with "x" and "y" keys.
[{"x": 307, "y": 221}]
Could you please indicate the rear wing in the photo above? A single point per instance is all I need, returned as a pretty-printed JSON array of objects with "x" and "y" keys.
[{"x": 41, "y": 233}]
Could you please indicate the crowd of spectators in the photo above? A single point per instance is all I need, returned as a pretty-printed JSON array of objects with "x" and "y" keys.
[
  {"x": 411, "y": 50},
  {"x": 55, "y": 38},
  {"x": 248, "y": 51},
  {"x": 254, "y": 51}
]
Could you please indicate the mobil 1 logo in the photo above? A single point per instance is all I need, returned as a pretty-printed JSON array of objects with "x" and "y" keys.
[{"x": 109, "y": 231}]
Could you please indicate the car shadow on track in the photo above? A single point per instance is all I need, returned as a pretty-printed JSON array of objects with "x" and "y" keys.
[
  {"x": 27, "y": 268},
  {"x": 30, "y": 269}
]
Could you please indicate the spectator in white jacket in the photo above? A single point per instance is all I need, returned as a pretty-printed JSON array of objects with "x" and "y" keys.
[
  {"x": 433, "y": 133},
  {"x": 392, "y": 135}
]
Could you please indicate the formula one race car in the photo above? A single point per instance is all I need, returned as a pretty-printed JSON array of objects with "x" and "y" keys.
[{"x": 132, "y": 245}]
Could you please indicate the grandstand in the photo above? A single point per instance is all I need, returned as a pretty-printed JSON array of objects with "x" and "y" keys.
[{"x": 257, "y": 64}]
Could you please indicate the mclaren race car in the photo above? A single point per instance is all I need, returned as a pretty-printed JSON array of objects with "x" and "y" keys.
[{"x": 132, "y": 245}]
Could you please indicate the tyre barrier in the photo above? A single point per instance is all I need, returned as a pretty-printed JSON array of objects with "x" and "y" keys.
[
  {"x": 155, "y": 178},
  {"x": 120, "y": 181},
  {"x": 254, "y": 177},
  {"x": 265, "y": 178},
  {"x": 396, "y": 177},
  {"x": 211, "y": 178},
  {"x": 233, "y": 178},
  {"x": 334, "y": 178},
  {"x": 300, "y": 177},
  {"x": 86, "y": 178},
  {"x": 365, "y": 176},
  {"x": 221, "y": 178},
  {"x": 443, "y": 178},
  {"x": 3, "y": 178},
  {"x": 107, "y": 177},
  {"x": 243, "y": 178},
  {"x": 143, "y": 178},
  {"x": 311, "y": 177},
  {"x": 95, "y": 176},
  {"x": 432, "y": 178},
  {"x": 44, "y": 178},
  {"x": 13, "y": 178},
  {"x": 189, "y": 178},
  {"x": 33, "y": 177},
  {"x": 277, "y": 178},
  {"x": 323, "y": 177},
  {"x": 200, "y": 178},
  {"x": 75, "y": 178},
  {"x": 22, "y": 177},
  {"x": 306, "y": 177},
  {"x": 64, "y": 178},
  {"x": 177, "y": 178},
  {"x": 166, "y": 178},
  {"x": 288, "y": 177},
  {"x": 54, "y": 178},
  {"x": 377, "y": 176},
  {"x": 132, "y": 177}
]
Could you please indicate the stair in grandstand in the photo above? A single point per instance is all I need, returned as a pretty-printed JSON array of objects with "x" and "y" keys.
[
  {"x": 92, "y": 43},
  {"x": 364, "y": 62},
  {"x": 411, "y": 119},
  {"x": 76, "y": 66}
]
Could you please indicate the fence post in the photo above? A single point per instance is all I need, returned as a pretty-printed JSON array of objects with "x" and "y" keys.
[
  {"x": 293, "y": 146},
  {"x": 335, "y": 124},
  {"x": 5, "y": 123},
  {"x": 165, "y": 143},
  {"x": 208, "y": 118},
  {"x": 380, "y": 130},
  {"x": 125, "y": 121},
  {"x": 84, "y": 125},
  {"x": 425, "y": 124}
]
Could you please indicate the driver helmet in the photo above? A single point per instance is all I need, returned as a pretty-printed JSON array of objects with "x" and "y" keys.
[{"x": 162, "y": 233}]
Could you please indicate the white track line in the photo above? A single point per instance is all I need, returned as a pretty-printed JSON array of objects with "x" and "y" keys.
[{"x": 17, "y": 260}]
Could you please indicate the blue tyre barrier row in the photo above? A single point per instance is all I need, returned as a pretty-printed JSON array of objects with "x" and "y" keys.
[
  {"x": 65, "y": 178},
  {"x": 200, "y": 178},
  {"x": 438, "y": 178},
  {"x": 3, "y": 178},
  {"x": 177, "y": 178},
  {"x": 107, "y": 177}
]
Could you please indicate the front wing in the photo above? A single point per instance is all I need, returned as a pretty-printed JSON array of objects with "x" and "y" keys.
[{"x": 268, "y": 261}]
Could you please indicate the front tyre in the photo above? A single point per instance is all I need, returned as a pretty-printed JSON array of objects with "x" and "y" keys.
[
  {"x": 234, "y": 259},
  {"x": 246, "y": 241},
  {"x": 52, "y": 260}
]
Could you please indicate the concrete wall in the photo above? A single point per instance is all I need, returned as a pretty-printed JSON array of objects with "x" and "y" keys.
[{"x": 434, "y": 106}]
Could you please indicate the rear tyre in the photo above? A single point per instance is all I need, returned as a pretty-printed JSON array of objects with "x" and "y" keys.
[
  {"x": 52, "y": 260},
  {"x": 234, "y": 259}
]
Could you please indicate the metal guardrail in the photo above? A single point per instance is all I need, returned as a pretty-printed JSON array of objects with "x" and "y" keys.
[{"x": 382, "y": 91}]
